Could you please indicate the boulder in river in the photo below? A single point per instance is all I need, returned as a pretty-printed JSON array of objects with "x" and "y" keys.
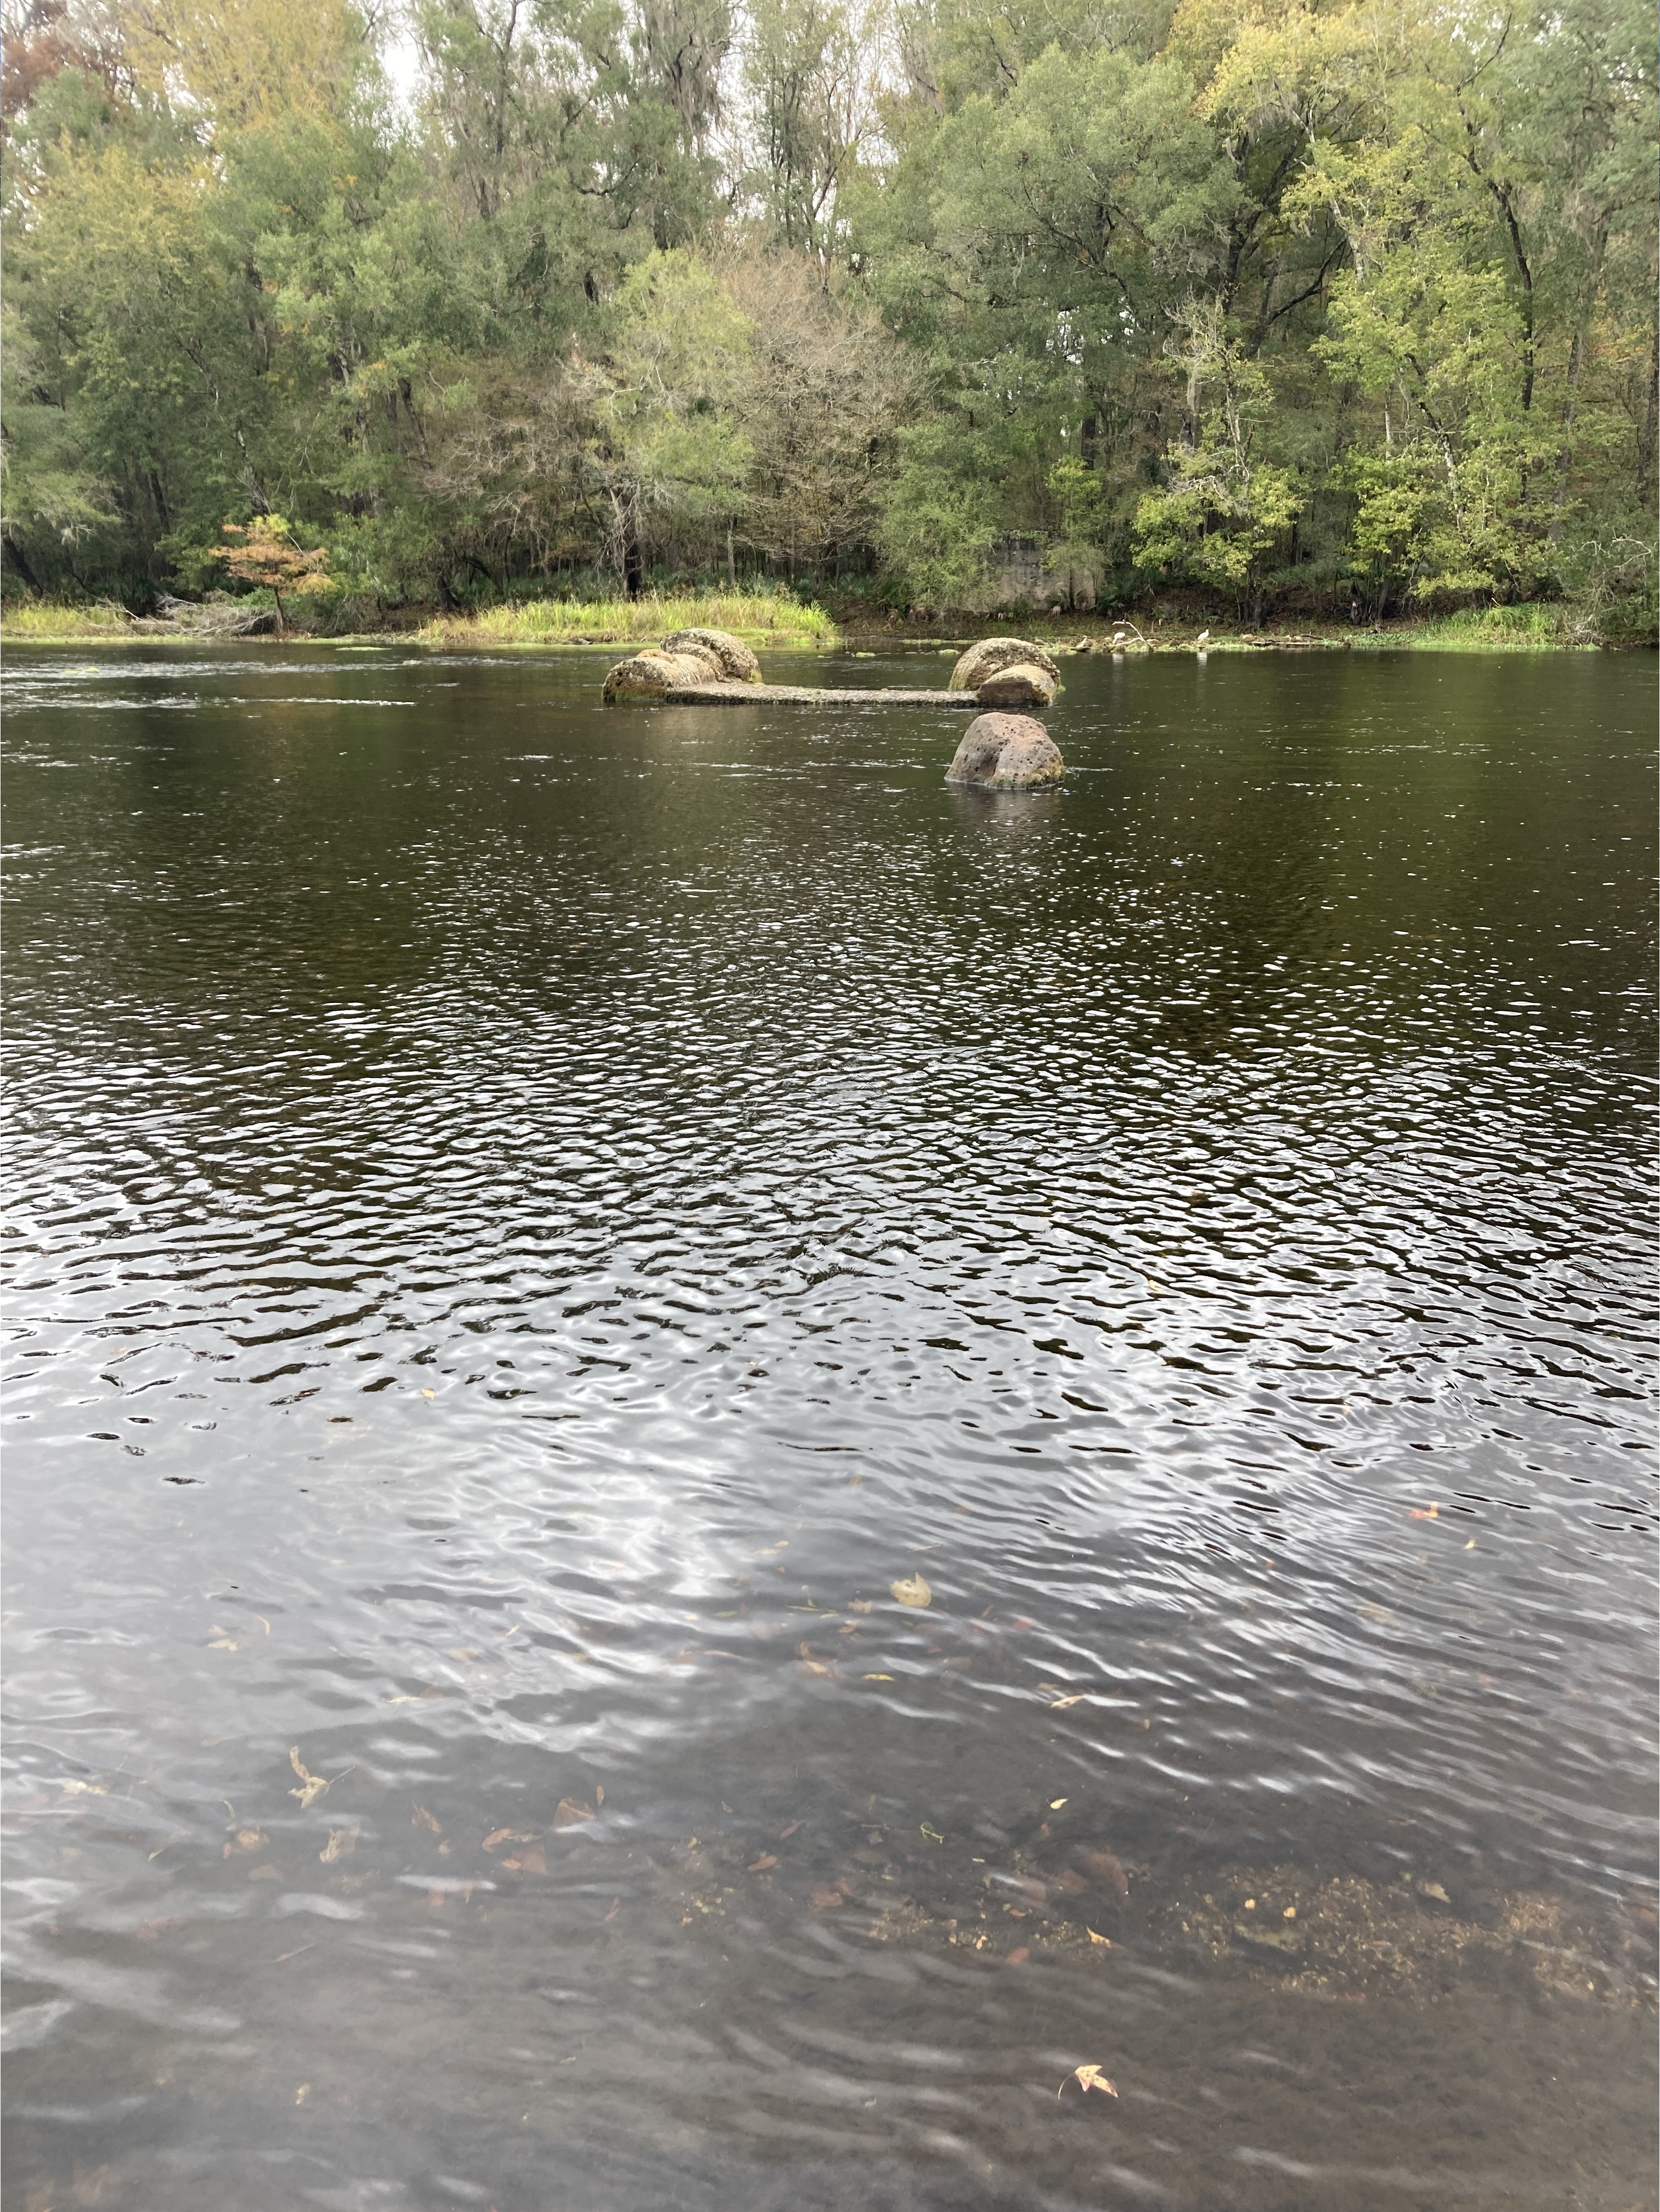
[
  {"x": 736, "y": 663},
  {"x": 1022, "y": 684},
  {"x": 992, "y": 653},
  {"x": 1006, "y": 752},
  {"x": 649, "y": 674}
]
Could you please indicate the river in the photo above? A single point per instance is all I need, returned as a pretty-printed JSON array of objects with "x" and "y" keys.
[{"x": 530, "y": 1222}]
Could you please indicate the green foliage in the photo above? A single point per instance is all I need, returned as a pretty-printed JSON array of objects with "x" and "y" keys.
[
  {"x": 1353, "y": 306},
  {"x": 1222, "y": 508}
]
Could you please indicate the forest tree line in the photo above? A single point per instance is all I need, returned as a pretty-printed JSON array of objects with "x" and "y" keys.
[{"x": 1291, "y": 306}]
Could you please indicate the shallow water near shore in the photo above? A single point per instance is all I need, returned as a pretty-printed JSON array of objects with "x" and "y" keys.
[{"x": 530, "y": 1220}]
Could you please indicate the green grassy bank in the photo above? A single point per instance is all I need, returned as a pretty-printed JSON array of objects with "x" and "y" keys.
[
  {"x": 785, "y": 624},
  {"x": 761, "y": 618}
]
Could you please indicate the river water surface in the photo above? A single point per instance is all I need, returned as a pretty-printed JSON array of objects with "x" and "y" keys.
[{"x": 529, "y": 1220}]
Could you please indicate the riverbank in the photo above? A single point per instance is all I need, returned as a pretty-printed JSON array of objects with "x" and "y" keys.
[
  {"x": 785, "y": 623},
  {"x": 760, "y": 618}
]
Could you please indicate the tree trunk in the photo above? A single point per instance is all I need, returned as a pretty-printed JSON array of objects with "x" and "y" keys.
[
  {"x": 633, "y": 568},
  {"x": 20, "y": 560},
  {"x": 1646, "y": 437}
]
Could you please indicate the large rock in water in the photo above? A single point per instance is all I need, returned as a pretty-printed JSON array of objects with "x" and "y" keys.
[
  {"x": 992, "y": 653},
  {"x": 1023, "y": 685},
  {"x": 1006, "y": 752},
  {"x": 649, "y": 674},
  {"x": 736, "y": 663}
]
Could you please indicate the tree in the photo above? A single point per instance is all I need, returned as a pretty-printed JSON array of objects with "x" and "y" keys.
[
  {"x": 668, "y": 452},
  {"x": 263, "y": 552},
  {"x": 1223, "y": 507}
]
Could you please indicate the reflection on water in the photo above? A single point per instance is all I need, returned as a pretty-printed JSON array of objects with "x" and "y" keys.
[{"x": 530, "y": 1220}]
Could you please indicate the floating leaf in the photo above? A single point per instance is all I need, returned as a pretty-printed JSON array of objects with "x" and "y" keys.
[
  {"x": 223, "y": 1644},
  {"x": 861, "y": 1605},
  {"x": 569, "y": 1814},
  {"x": 340, "y": 1840},
  {"x": 1088, "y": 2078},
  {"x": 420, "y": 1818},
  {"x": 616, "y": 1907},
  {"x": 311, "y": 1786},
  {"x": 930, "y": 1834},
  {"x": 766, "y": 1860},
  {"x": 1424, "y": 1513},
  {"x": 876, "y": 1678},
  {"x": 533, "y": 1861},
  {"x": 1094, "y": 1938},
  {"x": 913, "y": 1591},
  {"x": 1433, "y": 1889},
  {"x": 826, "y": 1896},
  {"x": 600, "y": 1795},
  {"x": 784, "y": 1834},
  {"x": 1056, "y": 1804},
  {"x": 1061, "y": 1704},
  {"x": 497, "y": 1837}
]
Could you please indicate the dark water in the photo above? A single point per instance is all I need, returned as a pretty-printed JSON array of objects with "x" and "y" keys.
[{"x": 530, "y": 1220}]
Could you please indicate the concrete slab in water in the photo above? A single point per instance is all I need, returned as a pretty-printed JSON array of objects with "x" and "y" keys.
[{"x": 804, "y": 694}]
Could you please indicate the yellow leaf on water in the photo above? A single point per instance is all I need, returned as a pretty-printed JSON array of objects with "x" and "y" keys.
[
  {"x": 1056, "y": 1804},
  {"x": 913, "y": 1591},
  {"x": 429, "y": 1394},
  {"x": 1061, "y": 1704},
  {"x": 312, "y": 1786},
  {"x": 340, "y": 1840},
  {"x": 876, "y": 1678},
  {"x": 1094, "y": 1938},
  {"x": 861, "y": 1605},
  {"x": 1088, "y": 2078},
  {"x": 223, "y": 1644}
]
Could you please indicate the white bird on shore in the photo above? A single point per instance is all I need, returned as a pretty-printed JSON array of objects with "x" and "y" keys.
[
  {"x": 1118, "y": 641},
  {"x": 1202, "y": 639}
]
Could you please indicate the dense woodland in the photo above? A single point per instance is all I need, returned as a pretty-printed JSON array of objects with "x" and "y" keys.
[{"x": 1319, "y": 309}]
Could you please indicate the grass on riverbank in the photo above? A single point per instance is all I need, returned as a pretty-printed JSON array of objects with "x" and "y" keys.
[
  {"x": 762, "y": 618},
  {"x": 783, "y": 622},
  {"x": 765, "y": 618},
  {"x": 48, "y": 622}
]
